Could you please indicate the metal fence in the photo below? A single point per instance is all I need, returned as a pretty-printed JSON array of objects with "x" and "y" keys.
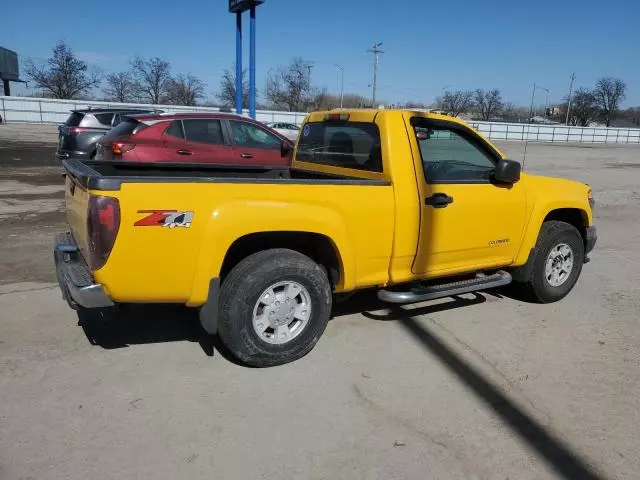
[{"x": 44, "y": 110}]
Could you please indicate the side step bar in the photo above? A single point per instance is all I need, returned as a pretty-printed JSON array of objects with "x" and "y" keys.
[{"x": 422, "y": 293}]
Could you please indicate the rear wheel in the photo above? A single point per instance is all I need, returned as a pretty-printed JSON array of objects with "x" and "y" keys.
[
  {"x": 558, "y": 262},
  {"x": 274, "y": 306}
]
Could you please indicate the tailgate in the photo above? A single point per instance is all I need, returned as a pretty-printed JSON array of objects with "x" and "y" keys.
[{"x": 77, "y": 202}]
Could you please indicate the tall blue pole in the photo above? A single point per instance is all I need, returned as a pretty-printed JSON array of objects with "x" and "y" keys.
[
  {"x": 239, "y": 63},
  {"x": 252, "y": 64}
]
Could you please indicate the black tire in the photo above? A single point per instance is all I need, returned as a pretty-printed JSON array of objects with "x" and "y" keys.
[
  {"x": 553, "y": 233},
  {"x": 241, "y": 290}
]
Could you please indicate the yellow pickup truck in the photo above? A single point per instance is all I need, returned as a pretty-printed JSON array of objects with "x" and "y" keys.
[{"x": 415, "y": 205}]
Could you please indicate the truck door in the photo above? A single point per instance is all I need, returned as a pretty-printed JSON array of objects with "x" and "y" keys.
[{"x": 467, "y": 221}]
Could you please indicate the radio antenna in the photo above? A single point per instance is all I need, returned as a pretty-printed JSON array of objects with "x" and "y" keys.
[{"x": 526, "y": 140}]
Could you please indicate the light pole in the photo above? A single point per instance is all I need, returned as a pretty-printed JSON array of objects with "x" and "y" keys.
[
  {"x": 376, "y": 55},
  {"x": 533, "y": 95},
  {"x": 573, "y": 77},
  {"x": 266, "y": 86},
  {"x": 341, "y": 84}
]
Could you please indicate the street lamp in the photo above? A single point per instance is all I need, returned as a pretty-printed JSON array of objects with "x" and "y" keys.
[
  {"x": 533, "y": 95},
  {"x": 341, "y": 84},
  {"x": 266, "y": 86}
]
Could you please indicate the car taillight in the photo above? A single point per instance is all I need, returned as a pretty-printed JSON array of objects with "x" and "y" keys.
[
  {"x": 118, "y": 148},
  {"x": 103, "y": 222},
  {"x": 77, "y": 129}
]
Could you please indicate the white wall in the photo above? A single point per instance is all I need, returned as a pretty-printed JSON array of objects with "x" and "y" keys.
[
  {"x": 45, "y": 110},
  {"x": 37, "y": 110}
]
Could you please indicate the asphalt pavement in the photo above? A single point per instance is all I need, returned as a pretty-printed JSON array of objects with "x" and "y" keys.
[{"x": 478, "y": 386}]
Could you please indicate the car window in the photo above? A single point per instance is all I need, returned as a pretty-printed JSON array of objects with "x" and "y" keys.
[
  {"x": 251, "y": 136},
  {"x": 343, "y": 144},
  {"x": 128, "y": 126},
  {"x": 291, "y": 126},
  {"x": 74, "y": 119},
  {"x": 104, "y": 118},
  {"x": 448, "y": 156},
  {"x": 203, "y": 130},
  {"x": 175, "y": 129}
]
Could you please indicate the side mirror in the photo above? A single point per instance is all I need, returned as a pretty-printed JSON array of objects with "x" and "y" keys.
[
  {"x": 285, "y": 148},
  {"x": 507, "y": 171}
]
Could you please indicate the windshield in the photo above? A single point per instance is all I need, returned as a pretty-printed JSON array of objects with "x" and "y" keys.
[{"x": 343, "y": 144}]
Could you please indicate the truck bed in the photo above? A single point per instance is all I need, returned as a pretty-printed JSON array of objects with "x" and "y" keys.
[{"x": 109, "y": 176}]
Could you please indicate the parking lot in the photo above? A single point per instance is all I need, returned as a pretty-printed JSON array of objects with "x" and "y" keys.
[{"x": 479, "y": 386}]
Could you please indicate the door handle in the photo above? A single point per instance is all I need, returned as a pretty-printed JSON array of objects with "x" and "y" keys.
[
  {"x": 438, "y": 200},
  {"x": 246, "y": 155},
  {"x": 184, "y": 152}
]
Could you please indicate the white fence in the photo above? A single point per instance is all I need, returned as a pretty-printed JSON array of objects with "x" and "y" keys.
[
  {"x": 44, "y": 110},
  {"x": 556, "y": 133}
]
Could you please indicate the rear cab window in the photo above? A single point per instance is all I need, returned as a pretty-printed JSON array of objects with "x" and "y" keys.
[{"x": 354, "y": 145}]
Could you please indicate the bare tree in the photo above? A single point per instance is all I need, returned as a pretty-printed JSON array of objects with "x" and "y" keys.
[
  {"x": 584, "y": 108},
  {"x": 609, "y": 93},
  {"x": 488, "y": 103},
  {"x": 152, "y": 78},
  {"x": 632, "y": 115},
  {"x": 64, "y": 75},
  {"x": 457, "y": 102},
  {"x": 290, "y": 87},
  {"x": 120, "y": 87},
  {"x": 227, "y": 90},
  {"x": 185, "y": 90}
]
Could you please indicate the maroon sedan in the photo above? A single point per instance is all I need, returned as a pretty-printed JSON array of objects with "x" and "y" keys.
[{"x": 195, "y": 138}]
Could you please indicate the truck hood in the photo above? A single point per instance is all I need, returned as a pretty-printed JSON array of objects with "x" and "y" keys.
[
  {"x": 545, "y": 194},
  {"x": 551, "y": 185}
]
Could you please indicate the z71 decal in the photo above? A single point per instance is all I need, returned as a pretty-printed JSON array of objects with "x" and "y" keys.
[{"x": 165, "y": 218}]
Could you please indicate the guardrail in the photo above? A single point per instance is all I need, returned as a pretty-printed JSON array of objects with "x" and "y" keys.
[{"x": 46, "y": 110}]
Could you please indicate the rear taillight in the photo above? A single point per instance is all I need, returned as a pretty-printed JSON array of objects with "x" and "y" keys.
[
  {"x": 77, "y": 129},
  {"x": 103, "y": 222},
  {"x": 118, "y": 148}
]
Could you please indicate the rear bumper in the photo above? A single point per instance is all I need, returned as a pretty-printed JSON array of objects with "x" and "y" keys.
[
  {"x": 591, "y": 237},
  {"x": 64, "y": 154},
  {"x": 74, "y": 276}
]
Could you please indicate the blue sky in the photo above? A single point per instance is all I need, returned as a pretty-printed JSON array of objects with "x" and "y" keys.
[{"x": 429, "y": 45}]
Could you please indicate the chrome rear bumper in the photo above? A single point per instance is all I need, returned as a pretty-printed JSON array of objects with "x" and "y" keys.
[{"x": 74, "y": 276}]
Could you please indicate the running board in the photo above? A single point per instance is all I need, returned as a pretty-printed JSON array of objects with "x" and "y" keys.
[{"x": 422, "y": 293}]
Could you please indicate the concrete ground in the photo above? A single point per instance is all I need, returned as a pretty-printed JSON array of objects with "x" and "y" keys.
[{"x": 481, "y": 386}]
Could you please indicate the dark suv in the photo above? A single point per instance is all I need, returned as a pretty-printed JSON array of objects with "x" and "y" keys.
[{"x": 83, "y": 128}]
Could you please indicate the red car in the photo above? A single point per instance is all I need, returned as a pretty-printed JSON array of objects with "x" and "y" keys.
[{"x": 195, "y": 138}]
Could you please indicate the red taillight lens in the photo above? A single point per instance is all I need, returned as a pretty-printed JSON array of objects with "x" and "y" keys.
[
  {"x": 103, "y": 222},
  {"x": 118, "y": 148}
]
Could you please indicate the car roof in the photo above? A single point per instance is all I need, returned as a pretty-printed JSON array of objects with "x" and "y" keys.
[
  {"x": 112, "y": 110},
  {"x": 186, "y": 115}
]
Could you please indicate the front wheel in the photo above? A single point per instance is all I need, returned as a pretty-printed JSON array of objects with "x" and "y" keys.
[
  {"x": 274, "y": 306},
  {"x": 558, "y": 262}
]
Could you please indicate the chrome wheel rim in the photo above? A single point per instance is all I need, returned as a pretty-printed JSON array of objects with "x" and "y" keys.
[
  {"x": 559, "y": 265},
  {"x": 282, "y": 312}
]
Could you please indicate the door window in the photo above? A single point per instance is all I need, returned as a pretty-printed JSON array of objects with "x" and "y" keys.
[
  {"x": 204, "y": 131},
  {"x": 449, "y": 156},
  {"x": 251, "y": 136},
  {"x": 175, "y": 130}
]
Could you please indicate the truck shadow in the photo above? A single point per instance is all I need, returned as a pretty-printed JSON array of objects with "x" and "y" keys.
[
  {"x": 140, "y": 324},
  {"x": 131, "y": 324}
]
